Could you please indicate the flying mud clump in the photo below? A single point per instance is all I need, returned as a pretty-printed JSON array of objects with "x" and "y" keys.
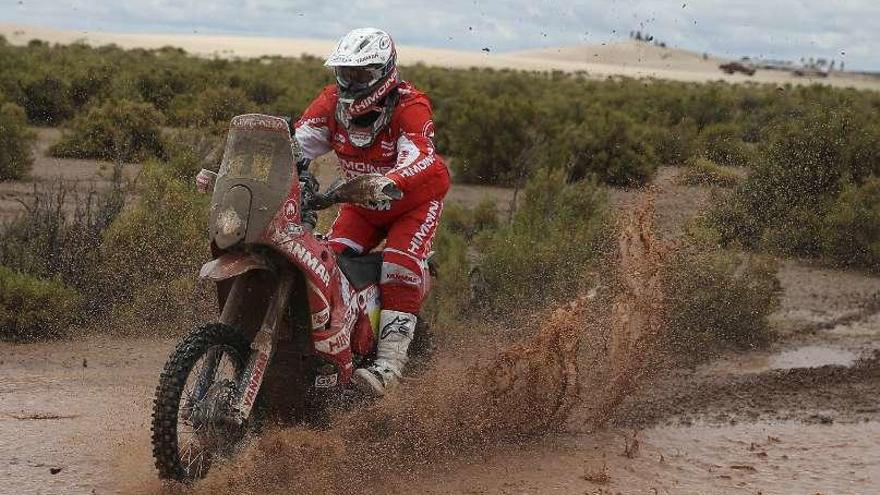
[{"x": 530, "y": 388}]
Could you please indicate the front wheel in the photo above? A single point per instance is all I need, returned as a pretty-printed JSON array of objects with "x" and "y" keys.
[{"x": 192, "y": 414}]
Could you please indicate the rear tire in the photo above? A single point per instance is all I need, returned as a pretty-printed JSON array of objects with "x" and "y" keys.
[{"x": 166, "y": 406}]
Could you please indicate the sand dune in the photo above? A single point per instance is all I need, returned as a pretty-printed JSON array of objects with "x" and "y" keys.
[
  {"x": 627, "y": 59},
  {"x": 629, "y": 54}
]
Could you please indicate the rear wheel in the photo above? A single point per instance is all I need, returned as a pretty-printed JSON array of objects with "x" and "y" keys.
[{"x": 192, "y": 419}]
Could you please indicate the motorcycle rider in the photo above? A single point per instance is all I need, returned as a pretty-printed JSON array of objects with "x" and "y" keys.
[{"x": 381, "y": 126}]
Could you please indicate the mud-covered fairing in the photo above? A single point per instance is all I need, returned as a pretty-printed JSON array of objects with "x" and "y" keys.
[{"x": 254, "y": 179}]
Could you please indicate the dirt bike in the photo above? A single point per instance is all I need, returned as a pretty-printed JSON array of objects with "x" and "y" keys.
[{"x": 295, "y": 318}]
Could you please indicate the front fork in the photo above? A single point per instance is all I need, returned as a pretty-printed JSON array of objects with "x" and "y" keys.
[{"x": 262, "y": 348}]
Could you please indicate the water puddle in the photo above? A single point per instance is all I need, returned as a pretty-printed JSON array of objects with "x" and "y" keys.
[{"x": 810, "y": 356}]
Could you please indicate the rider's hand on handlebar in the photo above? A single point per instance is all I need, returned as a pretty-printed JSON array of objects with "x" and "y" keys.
[{"x": 383, "y": 189}]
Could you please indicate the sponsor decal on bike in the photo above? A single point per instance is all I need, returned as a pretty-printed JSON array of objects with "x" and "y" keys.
[
  {"x": 255, "y": 381},
  {"x": 308, "y": 259},
  {"x": 425, "y": 229},
  {"x": 320, "y": 319},
  {"x": 290, "y": 209},
  {"x": 293, "y": 229},
  {"x": 287, "y": 232},
  {"x": 258, "y": 122}
]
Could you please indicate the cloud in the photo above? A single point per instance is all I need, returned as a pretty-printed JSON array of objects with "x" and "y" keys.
[{"x": 774, "y": 29}]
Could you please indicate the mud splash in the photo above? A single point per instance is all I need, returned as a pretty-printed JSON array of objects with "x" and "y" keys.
[{"x": 450, "y": 415}]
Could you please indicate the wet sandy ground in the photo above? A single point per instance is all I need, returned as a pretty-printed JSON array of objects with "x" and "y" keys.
[
  {"x": 69, "y": 411},
  {"x": 74, "y": 418}
]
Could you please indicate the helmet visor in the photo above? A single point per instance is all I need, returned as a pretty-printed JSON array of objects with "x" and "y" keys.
[{"x": 358, "y": 78}]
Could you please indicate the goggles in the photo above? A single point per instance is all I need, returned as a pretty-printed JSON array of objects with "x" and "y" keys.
[{"x": 358, "y": 78}]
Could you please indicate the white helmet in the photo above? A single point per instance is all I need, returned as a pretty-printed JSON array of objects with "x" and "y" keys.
[{"x": 365, "y": 62}]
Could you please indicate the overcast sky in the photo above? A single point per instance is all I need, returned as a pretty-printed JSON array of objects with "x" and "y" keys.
[{"x": 790, "y": 29}]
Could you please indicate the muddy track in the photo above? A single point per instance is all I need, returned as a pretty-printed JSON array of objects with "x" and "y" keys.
[
  {"x": 825, "y": 394},
  {"x": 74, "y": 415}
]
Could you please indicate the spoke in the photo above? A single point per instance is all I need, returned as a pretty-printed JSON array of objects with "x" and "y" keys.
[{"x": 208, "y": 382}]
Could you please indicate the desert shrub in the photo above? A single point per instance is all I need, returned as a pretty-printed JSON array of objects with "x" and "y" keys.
[
  {"x": 702, "y": 171},
  {"x": 159, "y": 238},
  {"x": 34, "y": 308},
  {"x": 787, "y": 204},
  {"x": 675, "y": 145},
  {"x": 450, "y": 291},
  {"x": 546, "y": 250},
  {"x": 722, "y": 144},
  {"x": 216, "y": 105},
  {"x": 15, "y": 142},
  {"x": 718, "y": 301},
  {"x": 58, "y": 237},
  {"x": 159, "y": 86},
  {"x": 467, "y": 222},
  {"x": 610, "y": 146},
  {"x": 46, "y": 100},
  {"x": 852, "y": 226},
  {"x": 486, "y": 136},
  {"x": 191, "y": 149},
  {"x": 116, "y": 130}
]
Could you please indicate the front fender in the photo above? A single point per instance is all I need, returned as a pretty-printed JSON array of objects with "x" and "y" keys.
[{"x": 232, "y": 265}]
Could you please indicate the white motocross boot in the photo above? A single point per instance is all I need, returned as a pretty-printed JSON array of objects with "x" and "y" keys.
[{"x": 395, "y": 334}]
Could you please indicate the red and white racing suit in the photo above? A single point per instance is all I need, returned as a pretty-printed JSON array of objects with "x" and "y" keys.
[{"x": 404, "y": 152}]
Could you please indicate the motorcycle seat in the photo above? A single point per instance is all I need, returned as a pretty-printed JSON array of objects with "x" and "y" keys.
[{"x": 361, "y": 271}]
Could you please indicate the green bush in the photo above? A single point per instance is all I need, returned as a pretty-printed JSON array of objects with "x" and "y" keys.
[
  {"x": 546, "y": 251},
  {"x": 46, "y": 100},
  {"x": 217, "y": 105},
  {"x": 852, "y": 226},
  {"x": 468, "y": 222},
  {"x": 123, "y": 131},
  {"x": 718, "y": 301},
  {"x": 610, "y": 146},
  {"x": 451, "y": 290},
  {"x": 488, "y": 137},
  {"x": 702, "y": 171},
  {"x": 793, "y": 202},
  {"x": 675, "y": 145},
  {"x": 160, "y": 238},
  {"x": 16, "y": 141},
  {"x": 33, "y": 308},
  {"x": 58, "y": 237},
  {"x": 722, "y": 144}
]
